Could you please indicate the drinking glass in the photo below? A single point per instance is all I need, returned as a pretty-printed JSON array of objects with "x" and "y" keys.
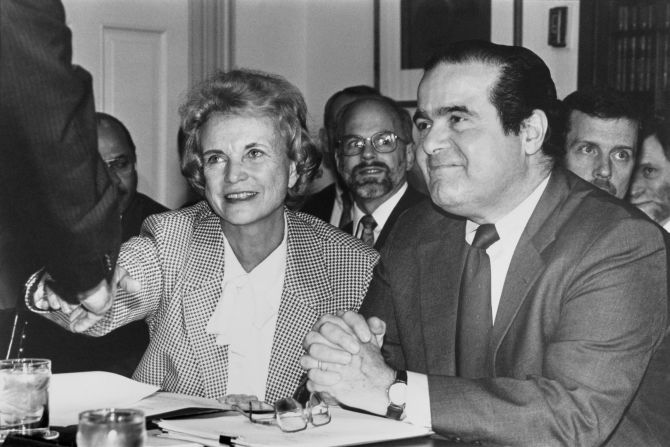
[
  {"x": 24, "y": 397},
  {"x": 111, "y": 427}
]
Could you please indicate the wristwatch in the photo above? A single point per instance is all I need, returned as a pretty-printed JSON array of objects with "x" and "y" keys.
[{"x": 397, "y": 395}]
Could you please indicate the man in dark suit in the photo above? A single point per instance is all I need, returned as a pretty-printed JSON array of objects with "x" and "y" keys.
[
  {"x": 59, "y": 207},
  {"x": 523, "y": 305},
  {"x": 333, "y": 203},
  {"x": 374, "y": 152},
  {"x": 121, "y": 350}
]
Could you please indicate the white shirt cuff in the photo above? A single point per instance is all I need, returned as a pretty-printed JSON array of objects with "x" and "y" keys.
[{"x": 417, "y": 408}]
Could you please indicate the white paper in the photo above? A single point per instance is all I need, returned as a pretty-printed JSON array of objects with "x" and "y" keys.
[
  {"x": 163, "y": 402},
  {"x": 345, "y": 428},
  {"x": 72, "y": 393}
]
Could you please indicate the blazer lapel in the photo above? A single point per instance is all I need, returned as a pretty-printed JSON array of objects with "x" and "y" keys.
[
  {"x": 409, "y": 198},
  {"x": 440, "y": 266},
  {"x": 527, "y": 261},
  {"x": 203, "y": 279},
  {"x": 306, "y": 289}
]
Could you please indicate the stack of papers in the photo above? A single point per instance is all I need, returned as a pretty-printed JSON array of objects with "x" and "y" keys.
[
  {"x": 346, "y": 428},
  {"x": 72, "y": 393}
]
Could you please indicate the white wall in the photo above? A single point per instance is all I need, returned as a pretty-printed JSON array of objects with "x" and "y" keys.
[
  {"x": 320, "y": 46},
  {"x": 561, "y": 61}
]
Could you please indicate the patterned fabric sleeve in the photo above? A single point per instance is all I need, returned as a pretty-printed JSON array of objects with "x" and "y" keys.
[{"x": 140, "y": 256}]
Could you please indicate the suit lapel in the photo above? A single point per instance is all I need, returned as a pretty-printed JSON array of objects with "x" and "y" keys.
[
  {"x": 441, "y": 264},
  {"x": 409, "y": 198},
  {"x": 203, "y": 279},
  {"x": 527, "y": 262},
  {"x": 306, "y": 290}
]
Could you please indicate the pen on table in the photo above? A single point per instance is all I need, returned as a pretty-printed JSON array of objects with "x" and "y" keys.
[{"x": 230, "y": 440}]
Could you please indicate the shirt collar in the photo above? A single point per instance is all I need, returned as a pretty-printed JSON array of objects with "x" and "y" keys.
[
  {"x": 511, "y": 226},
  {"x": 382, "y": 213}
]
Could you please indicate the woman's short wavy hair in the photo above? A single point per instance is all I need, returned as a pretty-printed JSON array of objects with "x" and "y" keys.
[{"x": 254, "y": 93}]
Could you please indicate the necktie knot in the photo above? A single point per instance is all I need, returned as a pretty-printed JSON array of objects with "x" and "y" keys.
[
  {"x": 368, "y": 235},
  {"x": 368, "y": 222},
  {"x": 485, "y": 236}
]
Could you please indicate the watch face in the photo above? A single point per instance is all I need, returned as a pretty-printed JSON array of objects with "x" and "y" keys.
[{"x": 398, "y": 393}]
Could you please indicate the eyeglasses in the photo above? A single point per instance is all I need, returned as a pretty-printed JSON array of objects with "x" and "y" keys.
[
  {"x": 382, "y": 142},
  {"x": 119, "y": 164},
  {"x": 289, "y": 415}
]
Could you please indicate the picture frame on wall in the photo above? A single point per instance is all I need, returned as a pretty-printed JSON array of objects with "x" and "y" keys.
[{"x": 407, "y": 32}]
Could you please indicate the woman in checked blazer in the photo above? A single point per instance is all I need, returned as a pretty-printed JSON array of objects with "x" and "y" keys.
[{"x": 231, "y": 285}]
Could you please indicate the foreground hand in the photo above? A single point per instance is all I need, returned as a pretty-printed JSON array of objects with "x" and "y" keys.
[
  {"x": 335, "y": 338},
  {"x": 344, "y": 359},
  {"x": 362, "y": 383},
  {"x": 93, "y": 303}
]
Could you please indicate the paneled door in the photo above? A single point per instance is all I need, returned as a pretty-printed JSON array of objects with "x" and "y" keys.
[{"x": 138, "y": 54}]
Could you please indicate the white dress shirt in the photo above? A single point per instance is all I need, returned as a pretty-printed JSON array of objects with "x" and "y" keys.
[
  {"x": 666, "y": 226},
  {"x": 509, "y": 228},
  {"x": 246, "y": 316},
  {"x": 338, "y": 207},
  {"x": 381, "y": 214}
]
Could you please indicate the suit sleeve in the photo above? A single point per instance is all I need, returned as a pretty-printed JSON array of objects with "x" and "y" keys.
[
  {"x": 58, "y": 182},
  {"x": 378, "y": 304},
  {"x": 613, "y": 316}
]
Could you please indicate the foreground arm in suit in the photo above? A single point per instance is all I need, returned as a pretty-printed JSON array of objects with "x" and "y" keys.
[
  {"x": 140, "y": 281},
  {"x": 53, "y": 177},
  {"x": 599, "y": 323}
]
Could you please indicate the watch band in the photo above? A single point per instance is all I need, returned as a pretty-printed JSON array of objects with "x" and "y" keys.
[{"x": 395, "y": 410}]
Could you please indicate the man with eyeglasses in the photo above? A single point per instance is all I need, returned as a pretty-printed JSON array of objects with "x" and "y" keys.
[
  {"x": 117, "y": 150},
  {"x": 374, "y": 152}
]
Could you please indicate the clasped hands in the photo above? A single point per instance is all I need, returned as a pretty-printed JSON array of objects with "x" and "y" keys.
[
  {"x": 344, "y": 359},
  {"x": 93, "y": 303}
]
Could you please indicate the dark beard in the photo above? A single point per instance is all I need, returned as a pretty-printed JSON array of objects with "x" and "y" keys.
[{"x": 370, "y": 188}]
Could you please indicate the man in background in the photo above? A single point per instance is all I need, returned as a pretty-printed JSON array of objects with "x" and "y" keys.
[
  {"x": 601, "y": 138},
  {"x": 333, "y": 204},
  {"x": 650, "y": 190},
  {"x": 374, "y": 152},
  {"x": 117, "y": 150}
]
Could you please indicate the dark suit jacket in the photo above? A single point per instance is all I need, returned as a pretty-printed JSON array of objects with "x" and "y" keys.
[
  {"x": 321, "y": 204},
  {"x": 410, "y": 198},
  {"x": 583, "y": 307},
  {"x": 55, "y": 194},
  {"x": 139, "y": 209}
]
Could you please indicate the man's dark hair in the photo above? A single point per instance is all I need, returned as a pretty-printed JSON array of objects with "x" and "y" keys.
[
  {"x": 603, "y": 103},
  {"x": 356, "y": 90},
  {"x": 524, "y": 85},
  {"x": 101, "y": 117},
  {"x": 660, "y": 127}
]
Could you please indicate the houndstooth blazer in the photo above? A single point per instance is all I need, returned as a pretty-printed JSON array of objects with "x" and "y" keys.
[{"x": 178, "y": 259}]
